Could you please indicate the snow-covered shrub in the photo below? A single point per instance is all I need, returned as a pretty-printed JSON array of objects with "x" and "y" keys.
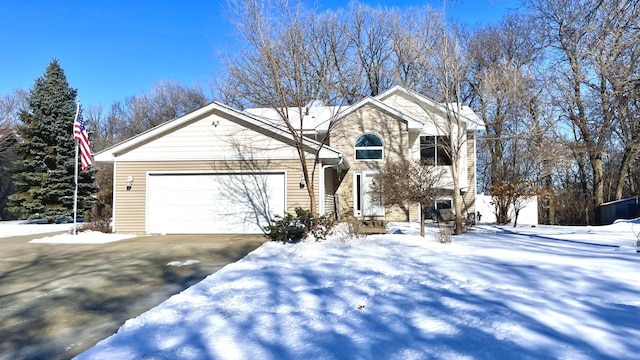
[
  {"x": 443, "y": 235},
  {"x": 348, "y": 230},
  {"x": 98, "y": 219},
  {"x": 290, "y": 228},
  {"x": 637, "y": 234},
  {"x": 101, "y": 225}
]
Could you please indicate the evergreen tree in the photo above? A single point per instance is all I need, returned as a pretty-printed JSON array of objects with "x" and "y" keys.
[
  {"x": 44, "y": 173},
  {"x": 8, "y": 146}
]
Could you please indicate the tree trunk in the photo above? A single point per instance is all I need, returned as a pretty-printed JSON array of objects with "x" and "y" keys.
[
  {"x": 422, "y": 210},
  {"x": 308, "y": 178},
  {"x": 584, "y": 185},
  {"x": 622, "y": 173},
  {"x": 458, "y": 204},
  {"x": 550, "y": 203},
  {"x": 598, "y": 186},
  {"x": 457, "y": 197}
]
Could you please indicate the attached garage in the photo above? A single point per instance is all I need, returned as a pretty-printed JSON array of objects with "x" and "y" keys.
[
  {"x": 218, "y": 203},
  {"x": 213, "y": 171}
]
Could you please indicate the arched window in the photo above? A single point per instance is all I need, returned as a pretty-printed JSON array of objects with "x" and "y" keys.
[{"x": 368, "y": 147}]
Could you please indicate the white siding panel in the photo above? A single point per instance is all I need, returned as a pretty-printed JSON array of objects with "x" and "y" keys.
[
  {"x": 210, "y": 138},
  {"x": 427, "y": 115}
]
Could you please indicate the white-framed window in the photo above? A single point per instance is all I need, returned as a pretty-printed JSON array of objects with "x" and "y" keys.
[
  {"x": 435, "y": 150},
  {"x": 369, "y": 147}
]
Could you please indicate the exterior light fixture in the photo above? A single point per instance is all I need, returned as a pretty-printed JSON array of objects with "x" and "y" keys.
[
  {"x": 302, "y": 182},
  {"x": 128, "y": 182}
]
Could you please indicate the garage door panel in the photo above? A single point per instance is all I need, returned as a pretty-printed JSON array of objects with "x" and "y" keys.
[{"x": 213, "y": 203}]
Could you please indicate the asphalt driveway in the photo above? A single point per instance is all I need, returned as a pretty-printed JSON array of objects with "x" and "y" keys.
[{"x": 58, "y": 300}]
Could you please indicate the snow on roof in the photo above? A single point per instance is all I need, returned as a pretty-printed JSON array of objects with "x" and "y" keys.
[
  {"x": 315, "y": 116},
  {"x": 318, "y": 117},
  {"x": 474, "y": 122}
]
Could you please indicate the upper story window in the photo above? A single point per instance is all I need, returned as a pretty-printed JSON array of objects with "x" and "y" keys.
[
  {"x": 368, "y": 147},
  {"x": 434, "y": 150}
]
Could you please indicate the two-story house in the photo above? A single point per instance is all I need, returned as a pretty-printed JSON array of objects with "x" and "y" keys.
[{"x": 220, "y": 170}]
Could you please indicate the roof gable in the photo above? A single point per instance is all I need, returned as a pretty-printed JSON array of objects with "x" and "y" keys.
[
  {"x": 420, "y": 106},
  {"x": 412, "y": 123}
]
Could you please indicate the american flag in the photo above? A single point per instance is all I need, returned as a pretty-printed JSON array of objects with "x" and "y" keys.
[{"x": 80, "y": 134}]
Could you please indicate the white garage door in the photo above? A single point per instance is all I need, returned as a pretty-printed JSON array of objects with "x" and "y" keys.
[{"x": 213, "y": 203}]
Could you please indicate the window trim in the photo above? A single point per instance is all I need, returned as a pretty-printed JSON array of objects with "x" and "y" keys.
[
  {"x": 437, "y": 148},
  {"x": 368, "y": 148}
]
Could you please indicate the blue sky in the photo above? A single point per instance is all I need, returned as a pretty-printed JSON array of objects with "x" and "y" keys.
[{"x": 114, "y": 49}]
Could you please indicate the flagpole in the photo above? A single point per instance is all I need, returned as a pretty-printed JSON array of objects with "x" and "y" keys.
[{"x": 75, "y": 181}]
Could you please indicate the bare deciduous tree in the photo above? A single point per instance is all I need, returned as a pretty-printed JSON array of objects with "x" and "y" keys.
[
  {"x": 416, "y": 37},
  {"x": 291, "y": 58},
  {"x": 10, "y": 106},
  {"x": 514, "y": 194},
  {"x": 589, "y": 54},
  {"x": 449, "y": 66},
  {"x": 371, "y": 39},
  {"x": 406, "y": 182},
  {"x": 503, "y": 87},
  {"x": 441, "y": 57},
  {"x": 167, "y": 100}
]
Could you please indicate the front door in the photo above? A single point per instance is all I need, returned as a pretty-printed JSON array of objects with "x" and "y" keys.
[{"x": 364, "y": 204}]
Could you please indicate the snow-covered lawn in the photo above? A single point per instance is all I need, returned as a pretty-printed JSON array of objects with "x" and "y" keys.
[
  {"x": 19, "y": 227},
  {"x": 494, "y": 293},
  {"x": 15, "y": 228}
]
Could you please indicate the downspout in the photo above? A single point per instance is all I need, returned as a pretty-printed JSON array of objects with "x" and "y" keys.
[
  {"x": 322, "y": 209},
  {"x": 475, "y": 176}
]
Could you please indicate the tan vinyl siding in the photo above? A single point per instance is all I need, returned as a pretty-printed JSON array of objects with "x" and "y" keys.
[
  {"x": 344, "y": 195},
  {"x": 396, "y": 213},
  {"x": 211, "y": 136},
  {"x": 368, "y": 119},
  {"x": 433, "y": 120},
  {"x": 329, "y": 191},
  {"x": 129, "y": 212},
  {"x": 414, "y": 212},
  {"x": 297, "y": 197},
  {"x": 129, "y": 208},
  {"x": 470, "y": 195}
]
